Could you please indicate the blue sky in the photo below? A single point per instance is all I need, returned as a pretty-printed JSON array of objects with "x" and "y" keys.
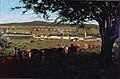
[{"x": 7, "y": 16}]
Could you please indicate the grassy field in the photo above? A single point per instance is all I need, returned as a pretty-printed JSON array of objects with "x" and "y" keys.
[
  {"x": 29, "y": 43},
  {"x": 77, "y": 32},
  {"x": 48, "y": 43}
]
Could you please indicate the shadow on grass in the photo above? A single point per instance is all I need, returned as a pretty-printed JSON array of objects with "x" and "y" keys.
[{"x": 66, "y": 66}]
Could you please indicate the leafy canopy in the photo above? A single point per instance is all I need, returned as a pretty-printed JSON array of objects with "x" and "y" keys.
[{"x": 75, "y": 11}]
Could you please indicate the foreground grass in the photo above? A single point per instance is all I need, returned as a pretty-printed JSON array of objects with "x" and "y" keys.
[{"x": 67, "y": 66}]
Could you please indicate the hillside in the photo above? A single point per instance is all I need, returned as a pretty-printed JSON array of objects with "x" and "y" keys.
[
  {"x": 33, "y": 23},
  {"x": 43, "y": 23}
]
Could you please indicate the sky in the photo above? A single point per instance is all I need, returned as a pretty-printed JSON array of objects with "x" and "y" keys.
[{"x": 8, "y": 16}]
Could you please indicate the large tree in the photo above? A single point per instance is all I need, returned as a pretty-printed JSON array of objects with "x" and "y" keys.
[{"x": 106, "y": 13}]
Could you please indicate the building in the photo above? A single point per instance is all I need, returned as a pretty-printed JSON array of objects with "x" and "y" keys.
[{"x": 7, "y": 27}]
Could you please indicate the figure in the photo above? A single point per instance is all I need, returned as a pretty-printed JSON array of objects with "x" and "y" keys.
[{"x": 20, "y": 54}]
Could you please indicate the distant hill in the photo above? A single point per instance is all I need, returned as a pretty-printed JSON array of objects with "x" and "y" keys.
[
  {"x": 42, "y": 23},
  {"x": 33, "y": 23}
]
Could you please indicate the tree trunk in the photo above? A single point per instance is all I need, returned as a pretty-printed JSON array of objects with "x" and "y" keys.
[
  {"x": 106, "y": 51},
  {"x": 107, "y": 42}
]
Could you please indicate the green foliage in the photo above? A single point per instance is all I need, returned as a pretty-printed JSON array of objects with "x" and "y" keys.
[
  {"x": 72, "y": 11},
  {"x": 3, "y": 42}
]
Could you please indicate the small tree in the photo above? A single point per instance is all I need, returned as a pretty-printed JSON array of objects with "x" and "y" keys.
[{"x": 3, "y": 42}]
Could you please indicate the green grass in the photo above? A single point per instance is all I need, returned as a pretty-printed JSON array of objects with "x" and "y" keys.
[
  {"x": 79, "y": 31},
  {"x": 26, "y": 43}
]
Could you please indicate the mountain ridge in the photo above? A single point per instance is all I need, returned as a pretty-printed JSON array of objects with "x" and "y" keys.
[
  {"x": 42, "y": 23},
  {"x": 32, "y": 23}
]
